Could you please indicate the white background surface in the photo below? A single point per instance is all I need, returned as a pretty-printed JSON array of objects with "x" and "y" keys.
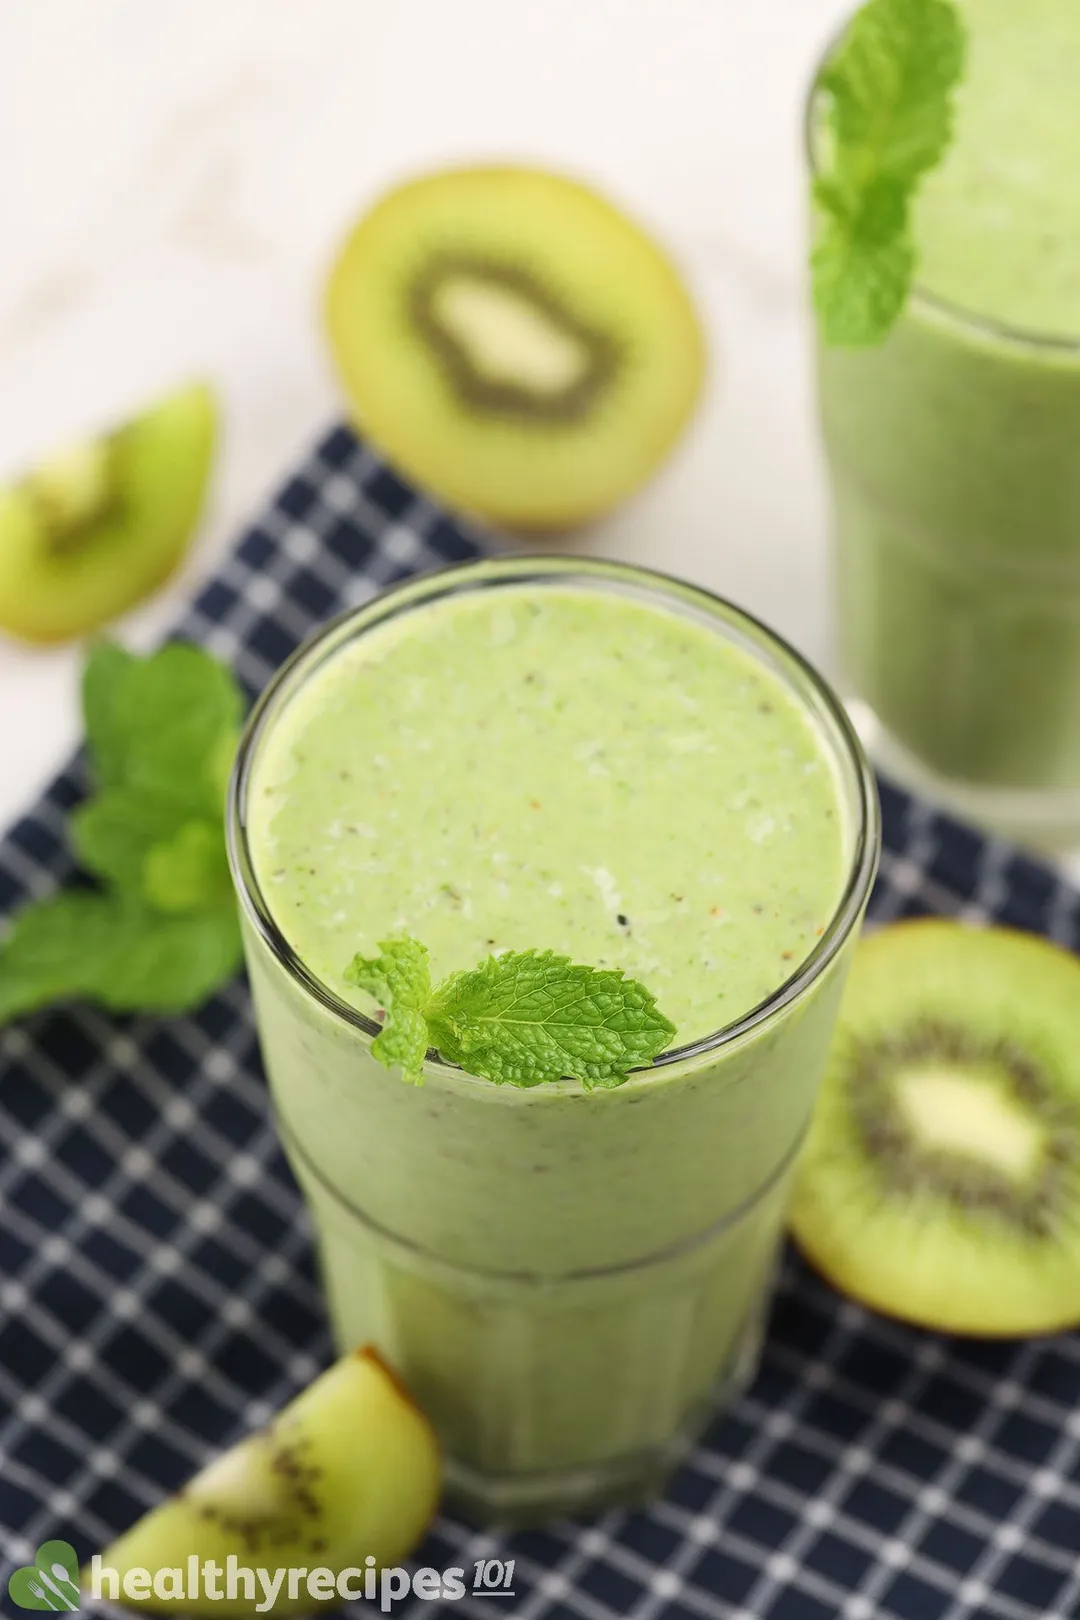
[{"x": 174, "y": 175}]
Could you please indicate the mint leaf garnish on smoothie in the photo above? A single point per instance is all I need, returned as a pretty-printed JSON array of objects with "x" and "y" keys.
[
  {"x": 884, "y": 118},
  {"x": 531, "y": 1016},
  {"x": 400, "y": 980},
  {"x": 523, "y": 1018}
]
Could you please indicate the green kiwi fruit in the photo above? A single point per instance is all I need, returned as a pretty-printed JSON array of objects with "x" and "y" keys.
[
  {"x": 514, "y": 343},
  {"x": 940, "y": 1182},
  {"x": 348, "y": 1471},
  {"x": 96, "y": 527}
]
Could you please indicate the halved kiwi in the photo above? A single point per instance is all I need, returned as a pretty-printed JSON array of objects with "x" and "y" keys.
[
  {"x": 97, "y": 526},
  {"x": 941, "y": 1179},
  {"x": 349, "y": 1471},
  {"x": 514, "y": 343}
]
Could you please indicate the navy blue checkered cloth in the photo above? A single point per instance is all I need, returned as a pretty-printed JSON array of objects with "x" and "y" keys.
[{"x": 157, "y": 1293}]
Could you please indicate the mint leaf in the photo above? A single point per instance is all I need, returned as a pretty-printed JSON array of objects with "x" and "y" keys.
[
  {"x": 891, "y": 81},
  {"x": 887, "y": 93},
  {"x": 188, "y": 873},
  {"x": 531, "y": 1016},
  {"x": 114, "y": 832},
  {"x": 57, "y": 949},
  {"x": 163, "y": 723},
  {"x": 162, "y": 931},
  {"x": 171, "y": 964},
  {"x": 162, "y": 734},
  {"x": 519, "y": 1019},
  {"x": 79, "y": 945},
  {"x": 862, "y": 264},
  {"x": 104, "y": 689},
  {"x": 400, "y": 980}
]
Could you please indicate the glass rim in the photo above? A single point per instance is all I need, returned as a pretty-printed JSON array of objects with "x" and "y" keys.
[
  {"x": 419, "y": 590},
  {"x": 988, "y": 326}
]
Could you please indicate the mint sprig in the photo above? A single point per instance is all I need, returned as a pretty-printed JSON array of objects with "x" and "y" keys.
[
  {"x": 400, "y": 980},
  {"x": 522, "y": 1019},
  {"x": 159, "y": 932},
  {"x": 887, "y": 100}
]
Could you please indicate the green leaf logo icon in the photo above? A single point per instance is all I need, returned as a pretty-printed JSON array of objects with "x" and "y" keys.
[{"x": 50, "y": 1582}]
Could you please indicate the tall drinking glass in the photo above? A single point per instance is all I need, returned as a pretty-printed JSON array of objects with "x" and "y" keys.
[
  {"x": 555, "y": 1387},
  {"x": 953, "y": 459}
]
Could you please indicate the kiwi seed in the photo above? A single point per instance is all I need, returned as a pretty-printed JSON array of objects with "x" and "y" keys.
[
  {"x": 940, "y": 1181},
  {"x": 349, "y": 1470},
  {"x": 586, "y": 362},
  {"x": 514, "y": 343},
  {"x": 908, "y": 1164},
  {"x": 293, "y": 1481}
]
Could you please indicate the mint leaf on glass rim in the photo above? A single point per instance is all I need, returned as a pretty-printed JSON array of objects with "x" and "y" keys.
[
  {"x": 890, "y": 81},
  {"x": 524, "y": 1018},
  {"x": 530, "y": 1016},
  {"x": 862, "y": 263},
  {"x": 400, "y": 980},
  {"x": 883, "y": 119}
]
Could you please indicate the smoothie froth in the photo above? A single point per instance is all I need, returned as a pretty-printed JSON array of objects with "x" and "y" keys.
[
  {"x": 998, "y": 223},
  {"x": 563, "y": 770}
]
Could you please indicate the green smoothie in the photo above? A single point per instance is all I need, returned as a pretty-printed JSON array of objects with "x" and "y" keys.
[
  {"x": 562, "y": 1276},
  {"x": 953, "y": 446},
  {"x": 569, "y": 770}
]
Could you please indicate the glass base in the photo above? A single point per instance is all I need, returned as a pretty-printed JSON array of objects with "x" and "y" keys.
[
  {"x": 561, "y": 1396},
  {"x": 1046, "y": 820},
  {"x": 521, "y": 1501},
  {"x": 526, "y": 1501}
]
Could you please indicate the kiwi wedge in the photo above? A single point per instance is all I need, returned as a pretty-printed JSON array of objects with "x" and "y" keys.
[
  {"x": 514, "y": 343},
  {"x": 348, "y": 1471},
  {"x": 98, "y": 525},
  {"x": 941, "y": 1178}
]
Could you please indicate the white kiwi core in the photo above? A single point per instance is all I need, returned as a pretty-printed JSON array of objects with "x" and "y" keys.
[
  {"x": 971, "y": 1114},
  {"x": 508, "y": 338},
  {"x": 74, "y": 486},
  {"x": 241, "y": 1478}
]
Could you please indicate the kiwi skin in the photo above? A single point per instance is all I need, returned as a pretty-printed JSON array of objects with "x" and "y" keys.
[
  {"x": 946, "y": 1240},
  {"x": 596, "y": 278}
]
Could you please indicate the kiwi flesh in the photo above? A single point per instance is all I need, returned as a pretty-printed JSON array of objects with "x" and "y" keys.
[
  {"x": 349, "y": 1470},
  {"x": 514, "y": 343},
  {"x": 98, "y": 525},
  {"x": 940, "y": 1182}
]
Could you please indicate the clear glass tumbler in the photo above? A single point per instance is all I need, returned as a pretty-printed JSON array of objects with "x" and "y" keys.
[
  {"x": 554, "y": 1392},
  {"x": 953, "y": 456}
]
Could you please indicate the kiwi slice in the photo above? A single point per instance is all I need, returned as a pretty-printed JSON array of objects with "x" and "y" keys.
[
  {"x": 514, "y": 343},
  {"x": 941, "y": 1179},
  {"x": 97, "y": 526},
  {"x": 349, "y": 1471}
]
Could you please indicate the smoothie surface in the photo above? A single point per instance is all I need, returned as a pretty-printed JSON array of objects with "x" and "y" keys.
[
  {"x": 553, "y": 767},
  {"x": 997, "y": 225}
]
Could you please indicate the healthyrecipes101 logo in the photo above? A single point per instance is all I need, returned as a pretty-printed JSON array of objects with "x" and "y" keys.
[{"x": 51, "y": 1582}]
